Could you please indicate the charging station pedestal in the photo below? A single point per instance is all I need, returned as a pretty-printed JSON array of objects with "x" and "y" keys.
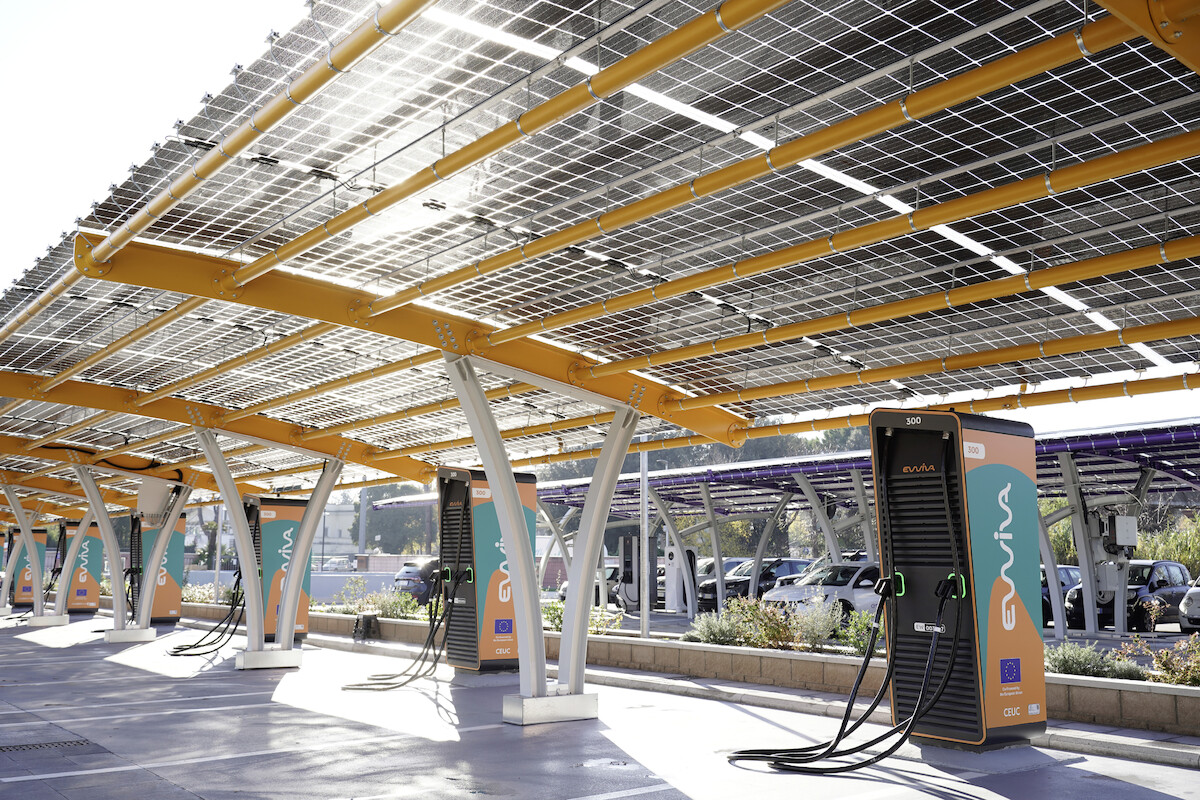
[
  {"x": 675, "y": 577},
  {"x": 480, "y": 634},
  {"x": 943, "y": 478},
  {"x": 629, "y": 572}
]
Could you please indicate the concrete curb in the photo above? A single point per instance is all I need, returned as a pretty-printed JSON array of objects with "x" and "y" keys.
[{"x": 1125, "y": 744}]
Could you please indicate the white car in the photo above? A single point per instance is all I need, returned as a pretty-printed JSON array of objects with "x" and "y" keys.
[
  {"x": 1189, "y": 609},
  {"x": 851, "y": 586}
]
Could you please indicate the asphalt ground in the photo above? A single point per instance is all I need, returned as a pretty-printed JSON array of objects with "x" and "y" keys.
[{"x": 80, "y": 718}]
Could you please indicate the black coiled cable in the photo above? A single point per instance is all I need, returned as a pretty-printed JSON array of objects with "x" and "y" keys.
[
  {"x": 426, "y": 661},
  {"x": 219, "y": 635}
]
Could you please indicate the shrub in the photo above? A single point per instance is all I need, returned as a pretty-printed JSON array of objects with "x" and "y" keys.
[
  {"x": 1179, "y": 664},
  {"x": 816, "y": 624},
  {"x": 1069, "y": 658},
  {"x": 395, "y": 605},
  {"x": 714, "y": 628},
  {"x": 198, "y": 593},
  {"x": 599, "y": 620},
  {"x": 857, "y": 632}
]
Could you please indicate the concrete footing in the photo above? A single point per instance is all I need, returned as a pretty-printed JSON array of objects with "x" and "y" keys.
[
  {"x": 48, "y": 620},
  {"x": 130, "y": 635},
  {"x": 267, "y": 659},
  {"x": 5, "y": 611},
  {"x": 519, "y": 710}
]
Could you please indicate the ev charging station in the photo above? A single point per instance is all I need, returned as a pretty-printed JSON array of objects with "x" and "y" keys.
[
  {"x": 81, "y": 585},
  {"x": 953, "y": 485},
  {"x": 167, "y": 575},
  {"x": 278, "y": 522},
  {"x": 679, "y": 564},
  {"x": 629, "y": 571},
  {"x": 476, "y": 582},
  {"x": 22, "y": 587}
]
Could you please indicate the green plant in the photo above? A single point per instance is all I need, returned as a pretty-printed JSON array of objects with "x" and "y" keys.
[
  {"x": 198, "y": 593},
  {"x": 1179, "y": 664},
  {"x": 1070, "y": 658},
  {"x": 552, "y": 615},
  {"x": 762, "y": 625},
  {"x": 857, "y": 632},
  {"x": 816, "y": 624},
  {"x": 396, "y": 605},
  {"x": 352, "y": 592},
  {"x": 599, "y": 620},
  {"x": 714, "y": 628}
]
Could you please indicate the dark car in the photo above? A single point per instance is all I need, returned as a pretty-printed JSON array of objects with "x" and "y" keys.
[
  {"x": 416, "y": 577},
  {"x": 737, "y": 582},
  {"x": 1068, "y": 576},
  {"x": 1161, "y": 583}
]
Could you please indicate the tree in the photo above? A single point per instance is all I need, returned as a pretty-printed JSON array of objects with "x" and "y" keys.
[{"x": 407, "y": 529}]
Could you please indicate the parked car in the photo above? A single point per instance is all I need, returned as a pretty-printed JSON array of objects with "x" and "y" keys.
[
  {"x": 1163, "y": 583},
  {"x": 737, "y": 582},
  {"x": 338, "y": 564},
  {"x": 704, "y": 570},
  {"x": 1189, "y": 609},
  {"x": 1068, "y": 576},
  {"x": 417, "y": 577},
  {"x": 850, "y": 586},
  {"x": 611, "y": 573}
]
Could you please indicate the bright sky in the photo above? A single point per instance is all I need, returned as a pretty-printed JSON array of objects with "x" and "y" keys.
[{"x": 93, "y": 84}]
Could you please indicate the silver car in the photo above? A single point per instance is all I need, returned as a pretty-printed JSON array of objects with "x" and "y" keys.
[
  {"x": 1189, "y": 609},
  {"x": 850, "y": 586}
]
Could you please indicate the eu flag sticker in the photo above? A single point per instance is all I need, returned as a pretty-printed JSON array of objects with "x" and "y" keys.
[
  {"x": 1010, "y": 670},
  {"x": 504, "y": 626}
]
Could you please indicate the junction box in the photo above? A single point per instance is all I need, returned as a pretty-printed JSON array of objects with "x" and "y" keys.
[
  {"x": 476, "y": 582},
  {"x": 944, "y": 478}
]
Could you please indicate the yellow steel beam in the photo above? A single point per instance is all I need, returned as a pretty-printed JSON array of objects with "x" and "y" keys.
[
  {"x": 141, "y": 264},
  {"x": 136, "y": 335},
  {"x": 12, "y": 445},
  {"x": 1103, "y": 391},
  {"x": 1170, "y": 329},
  {"x": 109, "y": 398},
  {"x": 335, "y": 384},
  {"x": 1114, "y": 165},
  {"x": 415, "y": 411},
  {"x": 388, "y": 21},
  {"x": 1174, "y": 250},
  {"x": 676, "y": 45},
  {"x": 511, "y": 433},
  {"x": 1039, "y": 58},
  {"x": 341, "y": 58},
  {"x": 1171, "y": 25}
]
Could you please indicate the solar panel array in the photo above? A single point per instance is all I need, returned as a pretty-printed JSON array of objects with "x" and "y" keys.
[{"x": 465, "y": 67}]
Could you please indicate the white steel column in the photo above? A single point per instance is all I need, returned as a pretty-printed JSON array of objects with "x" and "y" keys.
[
  {"x": 1079, "y": 531},
  {"x": 761, "y": 549},
  {"x": 864, "y": 508},
  {"x": 823, "y": 521},
  {"x": 649, "y": 560},
  {"x": 242, "y": 540},
  {"x": 556, "y": 527},
  {"x": 715, "y": 536},
  {"x": 10, "y": 570},
  {"x": 589, "y": 540},
  {"x": 68, "y": 566},
  {"x": 293, "y": 578},
  {"x": 1050, "y": 564},
  {"x": 25, "y": 522},
  {"x": 672, "y": 529},
  {"x": 531, "y": 653},
  {"x": 112, "y": 552},
  {"x": 152, "y": 565}
]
